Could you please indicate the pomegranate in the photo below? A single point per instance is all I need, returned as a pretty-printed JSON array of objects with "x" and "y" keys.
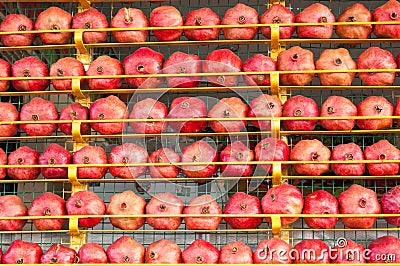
[
  {"x": 59, "y": 254},
  {"x": 54, "y": 18},
  {"x": 188, "y": 107},
  {"x": 300, "y": 106},
  {"x": 12, "y": 206},
  {"x": 390, "y": 205},
  {"x": 23, "y": 156},
  {"x": 318, "y": 254},
  {"x": 126, "y": 250},
  {"x": 222, "y": 60},
  {"x": 265, "y": 106},
  {"x": 228, "y": 108},
  {"x": 359, "y": 200},
  {"x": 396, "y": 112},
  {"x": 91, "y": 155},
  {"x": 55, "y": 154},
  {"x": 236, "y": 253},
  {"x": 296, "y": 59},
  {"x": 272, "y": 251},
  {"x": 384, "y": 249},
  {"x": 271, "y": 149},
  {"x": 347, "y": 152},
  {"x": 376, "y": 58},
  {"x": 315, "y": 13},
  {"x": 86, "y": 203},
  {"x": 17, "y": 22},
  {"x": 128, "y": 153},
  {"x": 108, "y": 108},
  {"x": 3, "y": 161},
  {"x": 164, "y": 155},
  {"x": 310, "y": 150},
  {"x": 200, "y": 151},
  {"x": 387, "y": 12},
  {"x": 74, "y": 111},
  {"x": 278, "y": 14},
  {"x": 200, "y": 252},
  {"x": 258, "y": 63},
  {"x": 375, "y": 106},
  {"x": 382, "y": 150},
  {"x": 164, "y": 204},
  {"x": 91, "y": 19},
  {"x": 5, "y": 71},
  {"x": 237, "y": 152},
  {"x": 105, "y": 66},
  {"x": 321, "y": 202},
  {"x": 163, "y": 252},
  {"x": 126, "y": 203},
  {"x": 241, "y": 203},
  {"x": 181, "y": 63},
  {"x": 204, "y": 204},
  {"x": 283, "y": 199},
  {"x": 92, "y": 253},
  {"x": 348, "y": 252},
  {"x": 338, "y": 106},
  {"x": 202, "y": 17},
  {"x": 143, "y": 61},
  {"x": 130, "y": 18},
  {"x": 9, "y": 113},
  {"x": 148, "y": 109},
  {"x": 66, "y": 66},
  {"x": 166, "y": 16},
  {"x": 21, "y": 252},
  {"x": 355, "y": 13},
  {"x": 29, "y": 67},
  {"x": 238, "y": 15}
]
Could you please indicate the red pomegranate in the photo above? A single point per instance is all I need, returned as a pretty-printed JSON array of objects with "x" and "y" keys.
[
  {"x": 74, "y": 111},
  {"x": 375, "y": 106},
  {"x": 188, "y": 108},
  {"x": 181, "y": 63},
  {"x": 265, "y": 106},
  {"x": 54, "y": 18},
  {"x": 164, "y": 155},
  {"x": 91, "y": 155},
  {"x": 237, "y": 152},
  {"x": 3, "y": 161},
  {"x": 347, "y": 152},
  {"x": 9, "y": 113},
  {"x": 105, "y": 66},
  {"x": 315, "y": 13},
  {"x": 258, "y": 63},
  {"x": 52, "y": 155},
  {"x": 91, "y": 19},
  {"x": 130, "y": 18},
  {"x": 149, "y": 109},
  {"x": 321, "y": 202},
  {"x": 228, "y": 108},
  {"x": 271, "y": 149},
  {"x": 355, "y": 13},
  {"x": 166, "y": 16},
  {"x": 242, "y": 203},
  {"x": 202, "y": 17},
  {"x": 17, "y": 22},
  {"x": 387, "y": 12},
  {"x": 200, "y": 252},
  {"x": 126, "y": 250},
  {"x": 66, "y": 66},
  {"x": 300, "y": 106},
  {"x": 30, "y": 67},
  {"x": 278, "y": 14},
  {"x": 382, "y": 150},
  {"x": 338, "y": 106},
  {"x": 236, "y": 253},
  {"x": 128, "y": 153},
  {"x": 23, "y": 156},
  {"x": 204, "y": 204},
  {"x": 240, "y": 14},
  {"x": 5, "y": 71}
]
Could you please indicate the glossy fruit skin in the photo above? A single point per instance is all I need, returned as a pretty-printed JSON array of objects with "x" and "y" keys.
[
  {"x": 258, "y": 63},
  {"x": 74, "y": 111},
  {"x": 126, "y": 250},
  {"x": 348, "y": 253},
  {"x": 237, "y": 152},
  {"x": 202, "y": 17},
  {"x": 59, "y": 254},
  {"x": 382, "y": 150},
  {"x": 54, "y": 18},
  {"x": 30, "y": 67},
  {"x": 232, "y": 107},
  {"x": 271, "y": 149},
  {"x": 48, "y": 204},
  {"x": 91, "y": 19},
  {"x": 23, "y": 156},
  {"x": 128, "y": 153},
  {"x": 391, "y": 204},
  {"x": 204, "y": 204},
  {"x": 166, "y": 16},
  {"x": 310, "y": 150},
  {"x": 375, "y": 106},
  {"x": 180, "y": 63},
  {"x": 9, "y": 113},
  {"x": 17, "y": 22},
  {"x": 238, "y": 15},
  {"x": 148, "y": 109},
  {"x": 387, "y": 12},
  {"x": 264, "y": 254},
  {"x": 265, "y": 106},
  {"x": 283, "y": 199},
  {"x": 277, "y": 14},
  {"x": 5, "y": 71},
  {"x": 376, "y": 58},
  {"x": 163, "y": 204},
  {"x": 300, "y": 106},
  {"x": 315, "y": 13},
  {"x": 143, "y": 61},
  {"x": 107, "y": 66},
  {"x": 355, "y": 13},
  {"x": 396, "y": 111},
  {"x": 22, "y": 252},
  {"x": 55, "y": 154},
  {"x": 359, "y": 200},
  {"x": 12, "y": 206},
  {"x": 222, "y": 60},
  {"x": 336, "y": 59},
  {"x": 200, "y": 252},
  {"x": 164, "y": 155},
  {"x": 241, "y": 203},
  {"x": 337, "y": 106},
  {"x": 3, "y": 161},
  {"x": 126, "y": 203},
  {"x": 86, "y": 203},
  {"x": 91, "y": 155},
  {"x": 349, "y": 151},
  {"x": 317, "y": 246},
  {"x": 321, "y": 202},
  {"x": 199, "y": 151},
  {"x": 385, "y": 245},
  {"x": 92, "y": 253},
  {"x": 188, "y": 107},
  {"x": 235, "y": 253},
  {"x": 163, "y": 251},
  {"x": 130, "y": 18},
  {"x": 66, "y": 66},
  {"x": 296, "y": 59}
]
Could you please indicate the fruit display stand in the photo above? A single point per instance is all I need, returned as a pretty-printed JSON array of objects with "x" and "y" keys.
[{"x": 222, "y": 187}]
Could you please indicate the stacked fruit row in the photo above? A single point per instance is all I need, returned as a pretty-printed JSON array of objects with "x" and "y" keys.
[{"x": 55, "y": 18}]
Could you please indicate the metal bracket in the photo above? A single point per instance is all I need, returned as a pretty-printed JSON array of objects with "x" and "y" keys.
[
  {"x": 85, "y": 4},
  {"x": 276, "y": 174},
  {"x": 275, "y": 44},
  {"x": 276, "y": 225},
  {"x": 76, "y": 131},
  {"x": 83, "y": 53},
  {"x": 73, "y": 179}
]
